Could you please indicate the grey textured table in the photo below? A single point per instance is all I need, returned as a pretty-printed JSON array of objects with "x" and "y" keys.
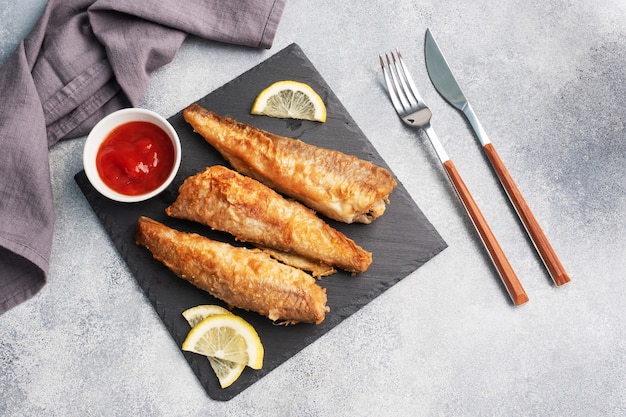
[{"x": 547, "y": 79}]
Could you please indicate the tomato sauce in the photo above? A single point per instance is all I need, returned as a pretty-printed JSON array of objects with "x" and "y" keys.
[{"x": 135, "y": 158}]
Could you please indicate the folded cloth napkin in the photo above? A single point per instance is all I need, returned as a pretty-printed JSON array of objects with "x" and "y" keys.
[{"x": 83, "y": 60}]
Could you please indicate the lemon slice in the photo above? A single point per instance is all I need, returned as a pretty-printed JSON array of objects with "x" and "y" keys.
[
  {"x": 227, "y": 372},
  {"x": 195, "y": 315},
  {"x": 290, "y": 100},
  {"x": 226, "y": 337}
]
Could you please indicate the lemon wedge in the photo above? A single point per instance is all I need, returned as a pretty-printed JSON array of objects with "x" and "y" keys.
[
  {"x": 290, "y": 100},
  {"x": 195, "y": 315},
  {"x": 226, "y": 337}
]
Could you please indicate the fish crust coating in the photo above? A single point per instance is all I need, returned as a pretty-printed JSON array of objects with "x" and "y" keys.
[
  {"x": 340, "y": 186},
  {"x": 252, "y": 212},
  {"x": 243, "y": 278}
]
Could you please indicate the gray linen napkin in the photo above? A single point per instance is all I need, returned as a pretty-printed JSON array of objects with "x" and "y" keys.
[{"x": 83, "y": 60}]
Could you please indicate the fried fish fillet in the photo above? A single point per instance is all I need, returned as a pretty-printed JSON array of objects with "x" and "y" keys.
[
  {"x": 243, "y": 278},
  {"x": 339, "y": 186},
  {"x": 252, "y": 212}
]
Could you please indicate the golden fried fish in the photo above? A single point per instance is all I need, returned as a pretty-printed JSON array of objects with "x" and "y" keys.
[
  {"x": 252, "y": 212},
  {"x": 243, "y": 278},
  {"x": 341, "y": 187}
]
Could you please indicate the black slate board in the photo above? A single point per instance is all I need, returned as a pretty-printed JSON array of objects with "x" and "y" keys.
[{"x": 401, "y": 240}]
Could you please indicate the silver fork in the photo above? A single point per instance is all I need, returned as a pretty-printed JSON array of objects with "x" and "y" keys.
[{"x": 413, "y": 111}]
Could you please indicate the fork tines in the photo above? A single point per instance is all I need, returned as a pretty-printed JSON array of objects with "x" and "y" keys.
[{"x": 402, "y": 89}]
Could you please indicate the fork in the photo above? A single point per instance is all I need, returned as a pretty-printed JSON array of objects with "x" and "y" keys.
[{"x": 414, "y": 112}]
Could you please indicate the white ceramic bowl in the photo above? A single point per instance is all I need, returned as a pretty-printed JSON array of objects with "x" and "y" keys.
[{"x": 102, "y": 130}]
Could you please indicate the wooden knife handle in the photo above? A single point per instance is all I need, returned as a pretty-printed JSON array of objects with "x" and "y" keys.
[
  {"x": 500, "y": 261},
  {"x": 547, "y": 253}
]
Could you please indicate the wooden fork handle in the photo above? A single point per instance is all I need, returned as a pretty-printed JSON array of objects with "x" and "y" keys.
[
  {"x": 499, "y": 259},
  {"x": 547, "y": 253}
]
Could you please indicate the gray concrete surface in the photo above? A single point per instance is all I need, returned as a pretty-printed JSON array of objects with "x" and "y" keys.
[{"x": 547, "y": 79}]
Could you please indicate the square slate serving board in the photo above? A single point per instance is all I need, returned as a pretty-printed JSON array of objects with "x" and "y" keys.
[{"x": 401, "y": 240}]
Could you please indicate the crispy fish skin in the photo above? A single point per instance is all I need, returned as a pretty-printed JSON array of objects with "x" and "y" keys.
[
  {"x": 252, "y": 212},
  {"x": 315, "y": 268},
  {"x": 339, "y": 186},
  {"x": 243, "y": 278}
]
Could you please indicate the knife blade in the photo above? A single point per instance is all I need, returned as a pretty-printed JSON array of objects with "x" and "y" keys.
[{"x": 447, "y": 86}]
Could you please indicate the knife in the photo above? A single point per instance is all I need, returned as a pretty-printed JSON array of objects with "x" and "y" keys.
[{"x": 445, "y": 83}]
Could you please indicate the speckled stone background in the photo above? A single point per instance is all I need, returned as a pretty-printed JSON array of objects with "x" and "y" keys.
[{"x": 548, "y": 81}]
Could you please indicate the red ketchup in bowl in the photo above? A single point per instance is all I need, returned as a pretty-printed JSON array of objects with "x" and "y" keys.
[{"x": 135, "y": 158}]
